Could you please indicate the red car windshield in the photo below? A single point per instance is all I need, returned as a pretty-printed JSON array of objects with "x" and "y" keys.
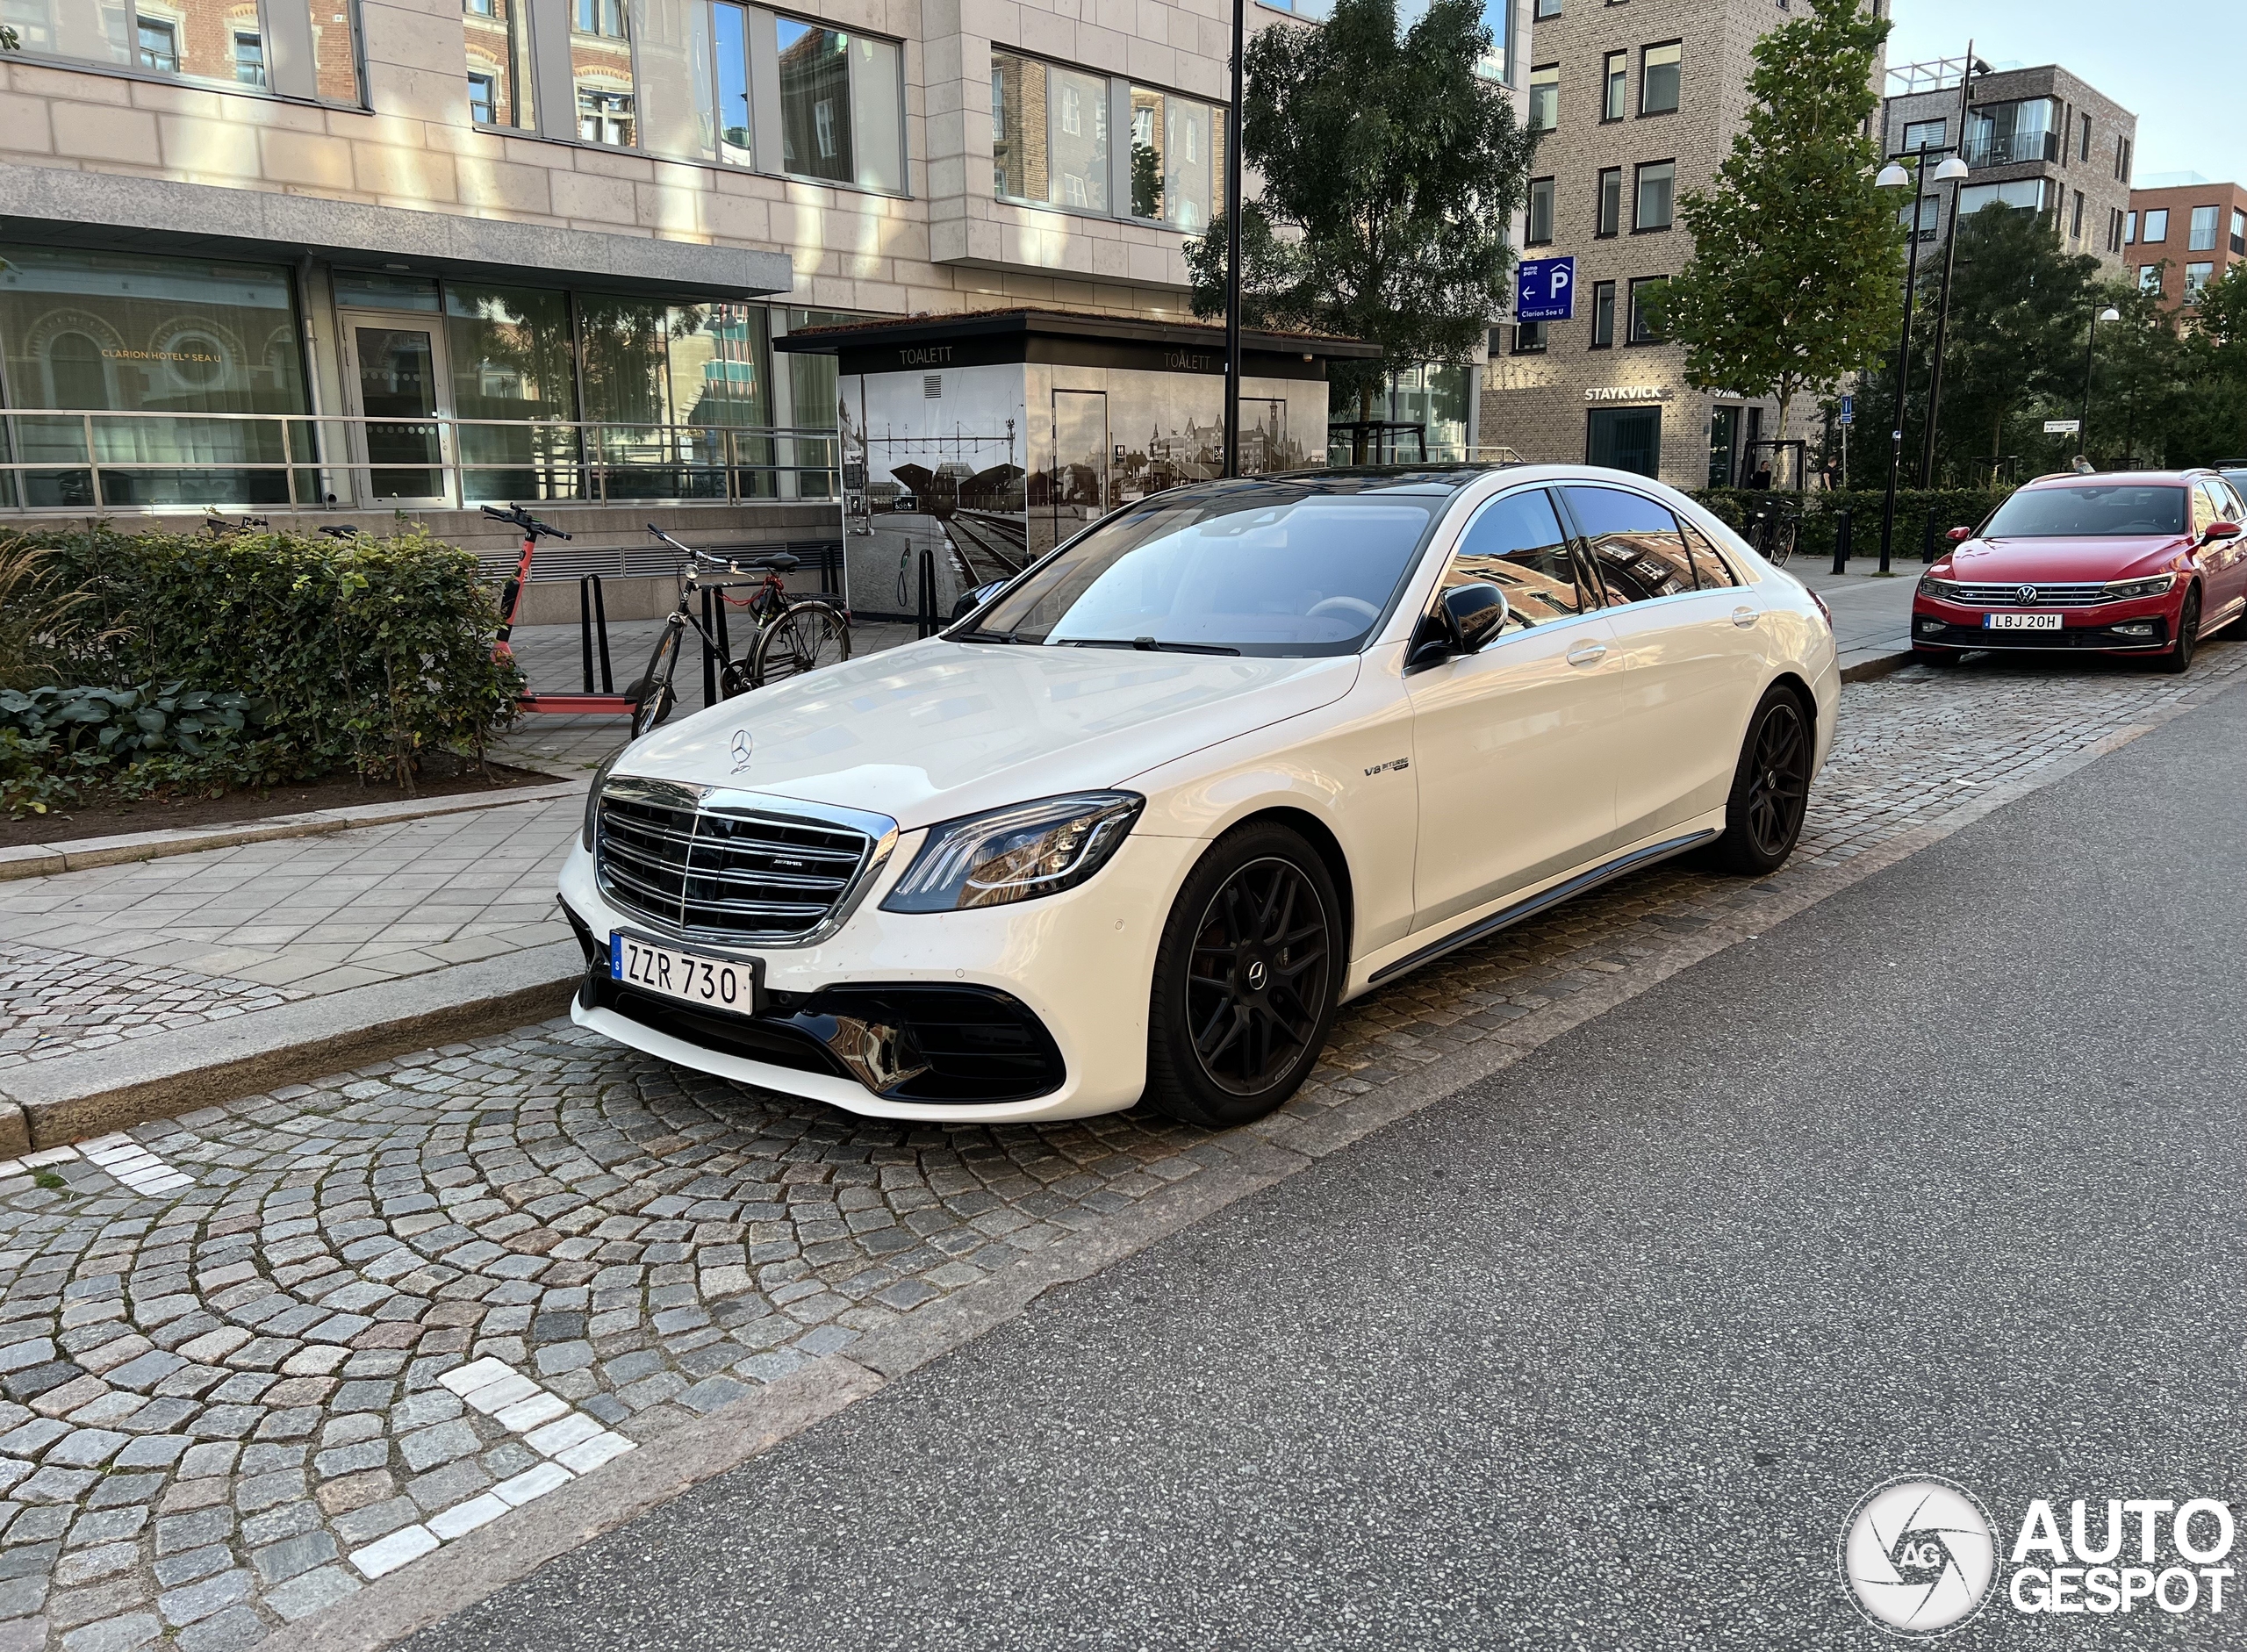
[{"x": 2096, "y": 510}]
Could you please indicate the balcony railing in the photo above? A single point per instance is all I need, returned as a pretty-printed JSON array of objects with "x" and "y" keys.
[
  {"x": 1998, "y": 149},
  {"x": 80, "y": 460}
]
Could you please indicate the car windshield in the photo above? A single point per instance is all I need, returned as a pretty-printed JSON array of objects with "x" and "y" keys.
[
  {"x": 1274, "y": 568},
  {"x": 2092, "y": 510}
]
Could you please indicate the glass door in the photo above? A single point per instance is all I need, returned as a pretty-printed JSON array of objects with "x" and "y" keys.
[
  {"x": 397, "y": 368},
  {"x": 1080, "y": 458}
]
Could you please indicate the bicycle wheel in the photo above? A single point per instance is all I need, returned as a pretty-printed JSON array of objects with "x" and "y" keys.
[
  {"x": 651, "y": 696},
  {"x": 805, "y": 637}
]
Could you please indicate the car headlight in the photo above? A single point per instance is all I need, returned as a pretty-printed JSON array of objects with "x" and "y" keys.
[
  {"x": 1015, "y": 853},
  {"x": 2123, "y": 590},
  {"x": 593, "y": 799},
  {"x": 1941, "y": 590}
]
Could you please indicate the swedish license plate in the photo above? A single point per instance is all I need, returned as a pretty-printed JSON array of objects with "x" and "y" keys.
[
  {"x": 2020, "y": 621},
  {"x": 693, "y": 978}
]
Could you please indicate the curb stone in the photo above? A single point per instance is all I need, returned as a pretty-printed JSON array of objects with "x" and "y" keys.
[
  {"x": 480, "y": 1565},
  {"x": 44, "y": 860}
]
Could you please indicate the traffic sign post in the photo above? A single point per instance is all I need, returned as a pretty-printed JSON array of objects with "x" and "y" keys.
[
  {"x": 2062, "y": 427},
  {"x": 1545, "y": 289}
]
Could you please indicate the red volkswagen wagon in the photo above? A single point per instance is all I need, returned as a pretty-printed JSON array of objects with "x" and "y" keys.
[{"x": 2133, "y": 562}]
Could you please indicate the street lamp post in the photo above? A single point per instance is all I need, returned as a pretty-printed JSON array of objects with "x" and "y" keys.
[
  {"x": 2083, "y": 425},
  {"x": 1232, "y": 247},
  {"x": 1952, "y": 171},
  {"x": 1895, "y": 175}
]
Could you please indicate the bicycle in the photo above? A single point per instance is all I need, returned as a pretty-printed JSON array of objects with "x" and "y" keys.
[
  {"x": 1774, "y": 530},
  {"x": 218, "y": 526},
  {"x": 795, "y": 633}
]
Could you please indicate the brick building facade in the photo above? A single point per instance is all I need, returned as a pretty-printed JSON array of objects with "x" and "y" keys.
[
  {"x": 1642, "y": 101},
  {"x": 2180, "y": 236}
]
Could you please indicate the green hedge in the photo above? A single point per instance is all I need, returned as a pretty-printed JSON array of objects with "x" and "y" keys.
[
  {"x": 359, "y": 655},
  {"x": 1949, "y": 507}
]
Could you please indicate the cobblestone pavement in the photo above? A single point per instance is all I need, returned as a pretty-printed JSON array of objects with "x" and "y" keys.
[
  {"x": 54, "y": 1002},
  {"x": 382, "y": 1311}
]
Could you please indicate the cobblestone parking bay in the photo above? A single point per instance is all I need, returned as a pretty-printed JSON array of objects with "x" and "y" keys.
[{"x": 260, "y": 1356}]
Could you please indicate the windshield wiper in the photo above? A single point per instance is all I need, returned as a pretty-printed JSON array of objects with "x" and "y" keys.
[
  {"x": 1146, "y": 646},
  {"x": 988, "y": 636}
]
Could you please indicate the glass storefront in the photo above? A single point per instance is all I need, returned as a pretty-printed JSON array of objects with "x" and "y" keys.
[
  {"x": 139, "y": 381},
  {"x": 130, "y": 336}
]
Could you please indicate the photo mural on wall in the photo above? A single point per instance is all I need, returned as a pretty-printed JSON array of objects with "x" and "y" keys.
[{"x": 931, "y": 461}]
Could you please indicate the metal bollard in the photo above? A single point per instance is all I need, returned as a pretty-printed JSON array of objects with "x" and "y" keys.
[
  {"x": 585, "y": 626},
  {"x": 709, "y": 655},
  {"x": 1927, "y": 537},
  {"x": 925, "y": 603},
  {"x": 600, "y": 632},
  {"x": 1841, "y": 538}
]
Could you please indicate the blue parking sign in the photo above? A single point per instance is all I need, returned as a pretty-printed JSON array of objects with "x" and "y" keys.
[
  {"x": 1545, "y": 289},
  {"x": 1848, "y": 410}
]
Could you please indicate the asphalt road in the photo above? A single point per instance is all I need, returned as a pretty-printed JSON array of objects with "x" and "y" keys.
[{"x": 1944, "y": 1175}]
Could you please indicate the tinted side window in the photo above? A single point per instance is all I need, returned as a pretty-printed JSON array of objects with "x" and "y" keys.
[
  {"x": 1516, "y": 544},
  {"x": 2204, "y": 510},
  {"x": 1637, "y": 544},
  {"x": 1710, "y": 569}
]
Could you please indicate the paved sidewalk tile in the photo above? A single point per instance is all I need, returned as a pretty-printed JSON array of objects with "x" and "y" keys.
[{"x": 377, "y": 1313}]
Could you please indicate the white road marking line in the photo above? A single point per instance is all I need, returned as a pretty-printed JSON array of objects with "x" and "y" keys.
[{"x": 127, "y": 1160}]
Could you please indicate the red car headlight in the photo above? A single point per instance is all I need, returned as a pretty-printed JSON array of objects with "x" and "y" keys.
[{"x": 2125, "y": 589}]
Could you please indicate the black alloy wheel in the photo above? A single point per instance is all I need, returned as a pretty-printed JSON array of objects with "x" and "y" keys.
[
  {"x": 1770, "y": 789},
  {"x": 1244, "y": 981},
  {"x": 2179, "y": 659}
]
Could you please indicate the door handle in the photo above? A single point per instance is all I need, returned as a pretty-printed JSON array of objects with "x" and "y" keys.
[
  {"x": 1743, "y": 617},
  {"x": 1587, "y": 653}
]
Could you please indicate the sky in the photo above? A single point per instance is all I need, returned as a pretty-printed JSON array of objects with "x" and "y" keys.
[{"x": 2176, "y": 64}]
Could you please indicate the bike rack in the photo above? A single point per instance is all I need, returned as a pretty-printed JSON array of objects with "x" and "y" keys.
[{"x": 925, "y": 621}]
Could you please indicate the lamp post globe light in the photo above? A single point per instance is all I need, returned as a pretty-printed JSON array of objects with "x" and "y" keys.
[
  {"x": 1953, "y": 171},
  {"x": 1897, "y": 176},
  {"x": 2083, "y": 425}
]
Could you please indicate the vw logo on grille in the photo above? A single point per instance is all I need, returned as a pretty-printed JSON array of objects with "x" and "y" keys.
[{"x": 2027, "y": 593}]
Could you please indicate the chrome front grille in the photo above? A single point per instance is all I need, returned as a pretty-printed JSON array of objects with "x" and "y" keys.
[
  {"x": 2053, "y": 596},
  {"x": 729, "y": 869}
]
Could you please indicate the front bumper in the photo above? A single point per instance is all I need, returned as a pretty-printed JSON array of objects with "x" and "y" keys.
[
  {"x": 1032, "y": 1012},
  {"x": 2141, "y": 627}
]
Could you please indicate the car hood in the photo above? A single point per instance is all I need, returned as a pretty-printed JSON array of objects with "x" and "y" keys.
[
  {"x": 938, "y": 728},
  {"x": 2003, "y": 560}
]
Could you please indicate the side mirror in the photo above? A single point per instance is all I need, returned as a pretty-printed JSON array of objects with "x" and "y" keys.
[
  {"x": 1478, "y": 611},
  {"x": 970, "y": 600},
  {"x": 1959, "y": 534},
  {"x": 2222, "y": 530},
  {"x": 1434, "y": 640}
]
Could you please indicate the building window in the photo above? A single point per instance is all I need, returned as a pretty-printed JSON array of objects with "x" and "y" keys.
[
  {"x": 498, "y": 61},
  {"x": 2129, "y": 229},
  {"x": 1529, "y": 338},
  {"x": 1610, "y": 201},
  {"x": 1540, "y": 231},
  {"x": 2148, "y": 277},
  {"x": 2203, "y": 234},
  {"x": 1658, "y": 79},
  {"x": 2129, "y": 147},
  {"x": 2239, "y": 234},
  {"x": 2031, "y": 194},
  {"x": 1645, "y": 293},
  {"x": 2075, "y": 225},
  {"x": 2114, "y": 230},
  {"x": 1657, "y": 203},
  {"x": 1547, "y": 9},
  {"x": 2005, "y": 133},
  {"x": 1049, "y": 145},
  {"x": 600, "y": 74},
  {"x": 159, "y": 48},
  {"x": 2157, "y": 225},
  {"x": 1545, "y": 98},
  {"x": 729, "y": 50},
  {"x": 249, "y": 58},
  {"x": 1933, "y": 134},
  {"x": 2196, "y": 276},
  {"x": 842, "y": 114},
  {"x": 1615, "y": 99},
  {"x": 1603, "y": 315}
]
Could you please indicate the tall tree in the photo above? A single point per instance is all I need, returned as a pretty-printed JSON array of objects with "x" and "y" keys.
[
  {"x": 1797, "y": 261},
  {"x": 1391, "y": 170}
]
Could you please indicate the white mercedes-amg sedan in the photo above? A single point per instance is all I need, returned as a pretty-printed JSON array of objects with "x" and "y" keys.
[{"x": 1134, "y": 826}]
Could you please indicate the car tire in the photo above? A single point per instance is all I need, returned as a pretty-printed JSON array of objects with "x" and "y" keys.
[
  {"x": 1246, "y": 975},
  {"x": 2179, "y": 659},
  {"x": 1771, "y": 788}
]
